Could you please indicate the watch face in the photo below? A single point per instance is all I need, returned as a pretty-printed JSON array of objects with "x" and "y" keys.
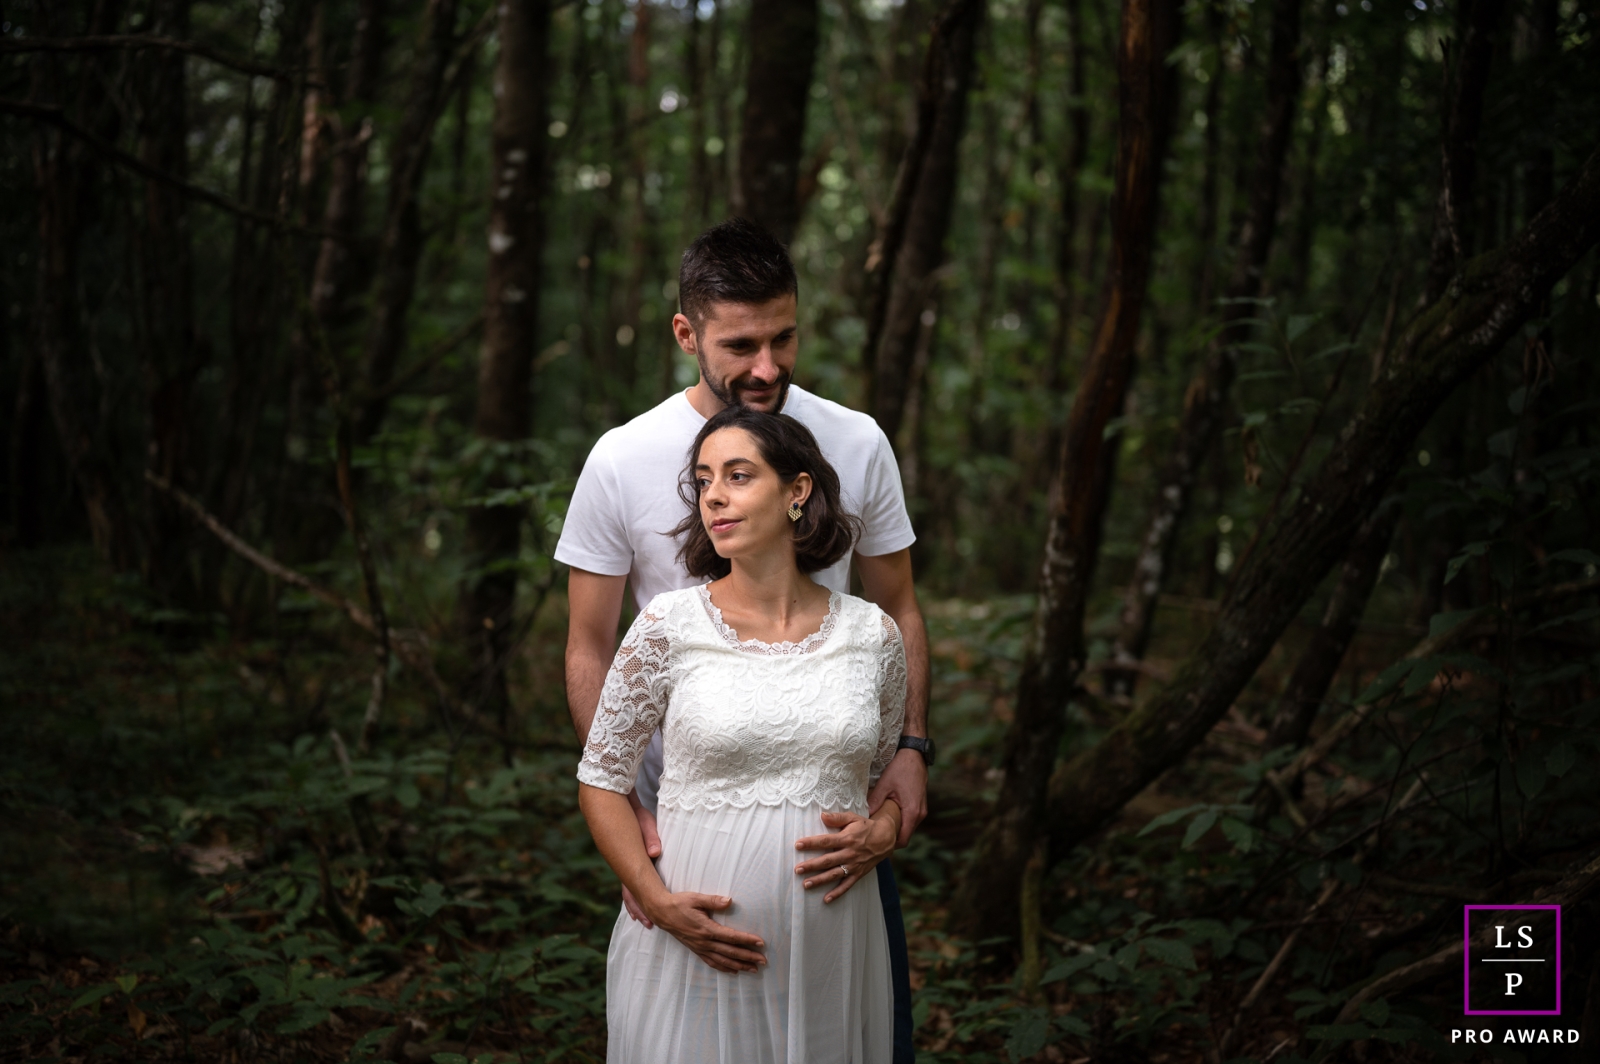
[{"x": 927, "y": 751}]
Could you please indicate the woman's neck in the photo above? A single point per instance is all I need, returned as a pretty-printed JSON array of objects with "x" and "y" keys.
[{"x": 770, "y": 588}]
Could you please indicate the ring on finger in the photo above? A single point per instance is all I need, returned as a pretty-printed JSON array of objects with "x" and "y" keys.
[{"x": 845, "y": 870}]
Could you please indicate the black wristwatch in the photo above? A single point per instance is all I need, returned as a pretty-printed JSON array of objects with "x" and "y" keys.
[{"x": 920, "y": 745}]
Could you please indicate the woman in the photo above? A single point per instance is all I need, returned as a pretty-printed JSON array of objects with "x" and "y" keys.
[{"x": 779, "y": 704}]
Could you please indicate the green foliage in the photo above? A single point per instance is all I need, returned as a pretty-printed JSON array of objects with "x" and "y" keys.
[{"x": 186, "y": 851}]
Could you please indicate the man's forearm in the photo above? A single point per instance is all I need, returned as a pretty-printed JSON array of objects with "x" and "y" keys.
[
  {"x": 886, "y": 579},
  {"x": 914, "y": 634},
  {"x": 586, "y": 674},
  {"x": 594, "y": 605}
]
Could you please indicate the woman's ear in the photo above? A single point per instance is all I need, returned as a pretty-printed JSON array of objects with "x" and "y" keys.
[{"x": 800, "y": 490}]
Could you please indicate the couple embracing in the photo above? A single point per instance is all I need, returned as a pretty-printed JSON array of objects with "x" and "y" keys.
[{"x": 757, "y": 747}]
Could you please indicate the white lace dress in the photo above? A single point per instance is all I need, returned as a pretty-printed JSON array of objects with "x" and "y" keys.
[{"x": 760, "y": 740}]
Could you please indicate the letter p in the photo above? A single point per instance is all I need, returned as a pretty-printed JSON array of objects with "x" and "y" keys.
[{"x": 1513, "y": 980}]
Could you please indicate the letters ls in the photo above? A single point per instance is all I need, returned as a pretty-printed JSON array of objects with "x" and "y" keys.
[{"x": 1524, "y": 937}]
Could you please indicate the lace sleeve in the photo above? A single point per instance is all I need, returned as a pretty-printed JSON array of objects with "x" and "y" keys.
[
  {"x": 892, "y": 678},
  {"x": 632, "y": 703}
]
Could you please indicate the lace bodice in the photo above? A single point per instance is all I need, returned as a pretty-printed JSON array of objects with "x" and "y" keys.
[{"x": 751, "y": 723}]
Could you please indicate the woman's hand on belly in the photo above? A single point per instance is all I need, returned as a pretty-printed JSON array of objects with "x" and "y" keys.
[
  {"x": 686, "y": 916},
  {"x": 853, "y": 850}
]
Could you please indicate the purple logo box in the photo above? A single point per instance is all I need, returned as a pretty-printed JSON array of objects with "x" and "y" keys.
[{"x": 1466, "y": 954}]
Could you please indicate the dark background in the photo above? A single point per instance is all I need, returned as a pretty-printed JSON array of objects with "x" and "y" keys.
[{"x": 1240, "y": 362}]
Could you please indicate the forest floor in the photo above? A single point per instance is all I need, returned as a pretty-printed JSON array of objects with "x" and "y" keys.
[{"x": 192, "y": 868}]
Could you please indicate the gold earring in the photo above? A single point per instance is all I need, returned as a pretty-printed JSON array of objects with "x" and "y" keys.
[{"x": 794, "y": 511}]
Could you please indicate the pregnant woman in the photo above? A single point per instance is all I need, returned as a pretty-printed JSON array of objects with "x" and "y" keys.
[{"x": 779, "y": 703}]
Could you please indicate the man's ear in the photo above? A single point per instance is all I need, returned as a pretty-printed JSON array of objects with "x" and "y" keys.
[{"x": 683, "y": 332}]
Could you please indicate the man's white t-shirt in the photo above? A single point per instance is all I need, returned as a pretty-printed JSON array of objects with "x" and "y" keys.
[{"x": 626, "y": 503}]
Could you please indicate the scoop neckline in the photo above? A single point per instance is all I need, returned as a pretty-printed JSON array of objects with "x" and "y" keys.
[{"x": 805, "y": 645}]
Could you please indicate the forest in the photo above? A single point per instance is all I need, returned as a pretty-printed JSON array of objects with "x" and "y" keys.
[{"x": 1238, "y": 357}]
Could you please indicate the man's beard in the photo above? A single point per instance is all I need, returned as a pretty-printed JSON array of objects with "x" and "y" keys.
[{"x": 727, "y": 392}]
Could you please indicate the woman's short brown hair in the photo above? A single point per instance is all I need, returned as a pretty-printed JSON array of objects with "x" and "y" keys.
[{"x": 825, "y": 531}]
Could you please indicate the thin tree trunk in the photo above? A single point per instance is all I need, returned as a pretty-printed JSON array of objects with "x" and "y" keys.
[
  {"x": 255, "y": 286},
  {"x": 1314, "y": 671},
  {"x": 1543, "y": 46},
  {"x": 1444, "y": 345},
  {"x": 1081, "y": 482},
  {"x": 636, "y": 221},
  {"x": 910, "y": 250},
  {"x": 782, "y": 37},
  {"x": 1454, "y": 229},
  {"x": 1305, "y": 212},
  {"x": 164, "y": 299},
  {"x": 1205, "y": 401},
  {"x": 25, "y": 450},
  {"x": 991, "y": 232},
  {"x": 303, "y": 523},
  {"x": 65, "y": 175},
  {"x": 1210, "y": 166},
  {"x": 510, "y": 336},
  {"x": 258, "y": 291},
  {"x": 333, "y": 276},
  {"x": 401, "y": 245},
  {"x": 1070, "y": 271},
  {"x": 695, "y": 67}
]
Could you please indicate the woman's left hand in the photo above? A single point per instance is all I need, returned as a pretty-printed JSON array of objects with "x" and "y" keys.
[{"x": 854, "y": 849}]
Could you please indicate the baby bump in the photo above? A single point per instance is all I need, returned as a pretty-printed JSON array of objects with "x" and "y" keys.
[{"x": 744, "y": 854}]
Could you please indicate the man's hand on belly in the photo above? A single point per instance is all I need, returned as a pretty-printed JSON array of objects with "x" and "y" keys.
[
  {"x": 652, "y": 846},
  {"x": 905, "y": 781},
  {"x": 854, "y": 849}
]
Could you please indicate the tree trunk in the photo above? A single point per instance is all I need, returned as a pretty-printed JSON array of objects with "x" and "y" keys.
[
  {"x": 302, "y": 520},
  {"x": 255, "y": 289},
  {"x": 1067, "y": 281},
  {"x": 1205, "y": 401},
  {"x": 332, "y": 277},
  {"x": 1081, "y": 481},
  {"x": 1210, "y": 165},
  {"x": 909, "y": 251},
  {"x": 510, "y": 336},
  {"x": 1313, "y": 674},
  {"x": 1543, "y": 46},
  {"x": 25, "y": 450},
  {"x": 1305, "y": 212},
  {"x": 400, "y": 248},
  {"x": 1453, "y": 225},
  {"x": 164, "y": 298},
  {"x": 1070, "y": 277},
  {"x": 782, "y": 37},
  {"x": 1495, "y": 296},
  {"x": 65, "y": 176}
]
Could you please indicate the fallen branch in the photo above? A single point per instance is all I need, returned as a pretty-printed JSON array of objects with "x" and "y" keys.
[
  {"x": 410, "y": 646},
  {"x": 56, "y": 117},
  {"x": 1285, "y": 778},
  {"x": 1487, "y": 304},
  {"x": 436, "y": 354},
  {"x": 1572, "y": 888},
  {"x": 140, "y": 42},
  {"x": 1428, "y": 890},
  {"x": 270, "y": 566},
  {"x": 1329, "y": 889}
]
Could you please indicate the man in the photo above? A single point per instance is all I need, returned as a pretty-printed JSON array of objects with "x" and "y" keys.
[{"x": 739, "y": 297}]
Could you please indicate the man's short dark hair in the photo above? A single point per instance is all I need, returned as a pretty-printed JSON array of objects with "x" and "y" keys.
[{"x": 736, "y": 261}]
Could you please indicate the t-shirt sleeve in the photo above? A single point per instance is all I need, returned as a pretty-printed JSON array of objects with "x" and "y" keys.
[
  {"x": 632, "y": 703},
  {"x": 594, "y": 536},
  {"x": 886, "y": 527}
]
